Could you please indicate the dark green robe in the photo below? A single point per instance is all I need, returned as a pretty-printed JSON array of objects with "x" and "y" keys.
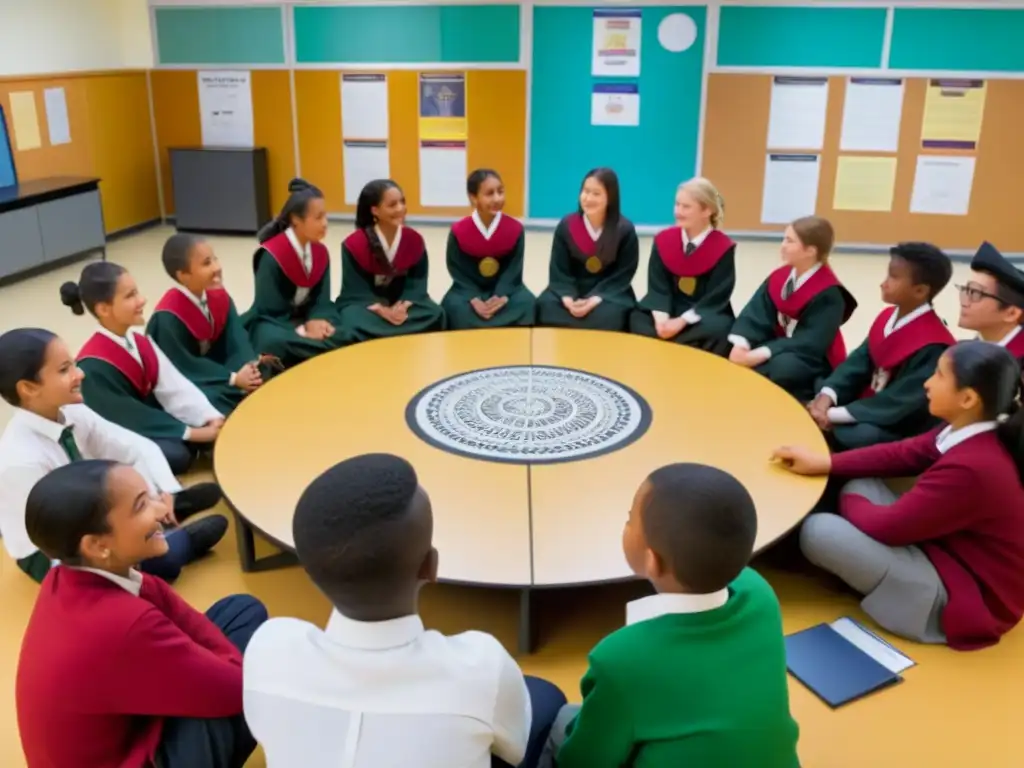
[
  {"x": 906, "y": 359},
  {"x": 208, "y": 355},
  {"x": 273, "y": 318},
  {"x": 368, "y": 278},
  {"x": 484, "y": 267},
  {"x": 708, "y": 276},
  {"x": 818, "y": 308},
  {"x": 571, "y": 249}
]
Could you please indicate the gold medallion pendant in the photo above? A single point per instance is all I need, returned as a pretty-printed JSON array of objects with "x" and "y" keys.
[
  {"x": 688, "y": 285},
  {"x": 489, "y": 267},
  {"x": 593, "y": 265}
]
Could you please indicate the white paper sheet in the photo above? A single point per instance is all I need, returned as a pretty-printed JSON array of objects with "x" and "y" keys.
[
  {"x": 225, "y": 108},
  {"x": 615, "y": 104},
  {"x": 871, "y": 115},
  {"x": 942, "y": 185},
  {"x": 872, "y": 645},
  {"x": 443, "y": 173},
  {"x": 363, "y": 161},
  {"x": 57, "y": 116},
  {"x": 364, "y": 106},
  {"x": 797, "y": 118},
  {"x": 790, "y": 187},
  {"x": 616, "y": 51}
]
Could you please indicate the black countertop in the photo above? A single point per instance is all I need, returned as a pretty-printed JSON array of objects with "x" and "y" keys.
[{"x": 30, "y": 193}]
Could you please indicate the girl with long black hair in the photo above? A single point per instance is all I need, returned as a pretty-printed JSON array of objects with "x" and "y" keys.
[
  {"x": 944, "y": 562},
  {"x": 384, "y": 270},
  {"x": 594, "y": 256}
]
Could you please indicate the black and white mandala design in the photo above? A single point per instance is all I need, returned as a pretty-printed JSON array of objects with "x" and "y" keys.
[{"x": 529, "y": 414}]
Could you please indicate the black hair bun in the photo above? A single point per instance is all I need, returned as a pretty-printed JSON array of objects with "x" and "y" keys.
[
  {"x": 71, "y": 297},
  {"x": 298, "y": 185}
]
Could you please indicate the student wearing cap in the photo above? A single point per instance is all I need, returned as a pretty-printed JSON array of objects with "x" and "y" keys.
[{"x": 992, "y": 301}]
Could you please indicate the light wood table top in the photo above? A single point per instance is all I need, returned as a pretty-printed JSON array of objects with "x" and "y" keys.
[{"x": 512, "y": 524}]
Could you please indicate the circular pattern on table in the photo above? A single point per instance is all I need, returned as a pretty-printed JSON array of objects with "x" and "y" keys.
[
  {"x": 677, "y": 32},
  {"x": 528, "y": 414}
]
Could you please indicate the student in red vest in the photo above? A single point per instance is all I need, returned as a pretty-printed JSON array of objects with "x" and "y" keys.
[
  {"x": 691, "y": 275},
  {"x": 789, "y": 330},
  {"x": 128, "y": 379},
  {"x": 115, "y": 668},
  {"x": 485, "y": 261},
  {"x": 944, "y": 562},
  {"x": 876, "y": 395},
  {"x": 384, "y": 270},
  {"x": 197, "y": 326},
  {"x": 992, "y": 301},
  {"x": 594, "y": 255},
  {"x": 292, "y": 317}
]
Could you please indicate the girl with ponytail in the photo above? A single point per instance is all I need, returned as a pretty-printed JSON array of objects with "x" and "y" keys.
[
  {"x": 944, "y": 562},
  {"x": 384, "y": 270},
  {"x": 292, "y": 317}
]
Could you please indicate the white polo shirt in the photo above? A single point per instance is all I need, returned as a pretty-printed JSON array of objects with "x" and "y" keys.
[{"x": 383, "y": 695}]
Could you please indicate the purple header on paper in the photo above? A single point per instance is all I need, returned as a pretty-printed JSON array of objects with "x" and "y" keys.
[
  {"x": 948, "y": 144},
  {"x": 365, "y": 143},
  {"x": 442, "y": 145},
  {"x": 876, "y": 80},
  {"x": 793, "y": 158},
  {"x": 617, "y": 13},
  {"x": 616, "y": 88},
  {"x": 364, "y": 78},
  {"x": 957, "y": 83},
  {"x": 783, "y": 80}
]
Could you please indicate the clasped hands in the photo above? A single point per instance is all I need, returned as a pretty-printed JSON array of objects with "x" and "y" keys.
[
  {"x": 317, "y": 330},
  {"x": 580, "y": 308},
  {"x": 670, "y": 327},
  {"x": 489, "y": 308},
  {"x": 818, "y": 408},
  {"x": 396, "y": 314}
]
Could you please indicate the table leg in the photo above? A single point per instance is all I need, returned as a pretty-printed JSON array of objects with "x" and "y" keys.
[
  {"x": 527, "y": 636},
  {"x": 247, "y": 551}
]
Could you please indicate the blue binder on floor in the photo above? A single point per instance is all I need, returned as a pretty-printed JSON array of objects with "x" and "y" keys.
[{"x": 842, "y": 661}]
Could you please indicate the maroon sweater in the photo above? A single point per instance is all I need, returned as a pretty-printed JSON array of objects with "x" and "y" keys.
[
  {"x": 966, "y": 512},
  {"x": 101, "y": 668}
]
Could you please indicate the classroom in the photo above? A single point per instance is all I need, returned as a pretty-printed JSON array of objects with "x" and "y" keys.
[{"x": 622, "y": 204}]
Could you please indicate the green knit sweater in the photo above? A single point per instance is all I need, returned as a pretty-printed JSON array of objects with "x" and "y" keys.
[{"x": 706, "y": 690}]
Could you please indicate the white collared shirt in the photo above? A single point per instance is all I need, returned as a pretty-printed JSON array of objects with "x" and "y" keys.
[
  {"x": 390, "y": 249},
  {"x": 950, "y": 438},
  {"x": 665, "y": 603},
  {"x": 132, "y": 585},
  {"x": 177, "y": 395},
  {"x": 199, "y": 301},
  {"x": 594, "y": 233},
  {"x": 788, "y": 323},
  {"x": 1005, "y": 341},
  {"x": 306, "y": 258},
  {"x": 690, "y": 316},
  {"x": 698, "y": 241},
  {"x": 376, "y": 695},
  {"x": 487, "y": 231},
  {"x": 29, "y": 450},
  {"x": 840, "y": 414}
]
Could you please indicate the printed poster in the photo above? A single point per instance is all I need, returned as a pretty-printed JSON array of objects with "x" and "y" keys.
[
  {"x": 953, "y": 113},
  {"x": 615, "y": 104},
  {"x": 225, "y": 108},
  {"x": 443, "y": 107},
  {"x": 616, "y": 43}
]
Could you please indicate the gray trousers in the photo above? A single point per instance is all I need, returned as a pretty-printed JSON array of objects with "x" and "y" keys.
[
  {"x": 557, "y": 735},
  {"x": 902, "y": 590}
]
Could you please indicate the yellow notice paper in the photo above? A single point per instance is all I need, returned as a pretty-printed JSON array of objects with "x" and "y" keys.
[
  {"x": 864, "y": 183},
  {"x": 25, "y": 120},
  {"x": 953, "y": 113}
]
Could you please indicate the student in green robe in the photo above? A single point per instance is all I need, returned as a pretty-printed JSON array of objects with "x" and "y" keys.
[
  {"x": 691, "y": 275},
  {"x": 877, "y": 394},
  {"x": 594, "y": 255},
  {"x": 485, "y": 260},
  {"x": 128, "y": 378},
  {"x": 789, "y": 331},
  {"x": 384, "y": 270},
  {"x": 697, "y": 677},
  {"x": 197, "y": 326},
  {"x": 292, "y": 317}
]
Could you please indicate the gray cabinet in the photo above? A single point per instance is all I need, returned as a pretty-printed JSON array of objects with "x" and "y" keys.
[
  {"x": 21, "y": 244},
  {"x": 71, "y": 225}
]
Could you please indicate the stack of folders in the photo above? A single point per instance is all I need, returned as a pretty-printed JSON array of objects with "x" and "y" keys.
[{"x": 843, "y": 661}]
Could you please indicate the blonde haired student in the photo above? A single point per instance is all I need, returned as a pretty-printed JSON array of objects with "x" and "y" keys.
[
  {"x": 691, "y": 274},
  {"x": 790, "y": 329}
]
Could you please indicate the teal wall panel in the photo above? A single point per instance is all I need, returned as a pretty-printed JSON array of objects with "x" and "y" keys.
[
  {"x": 220, "y": 35},
  {"x": 406, "y": 34},
  {"x": 793, "y": 36},
  {"x": 979, "y": 40}
]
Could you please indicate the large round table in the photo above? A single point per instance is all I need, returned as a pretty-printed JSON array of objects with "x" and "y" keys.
[{"x": 508, "y": 520}]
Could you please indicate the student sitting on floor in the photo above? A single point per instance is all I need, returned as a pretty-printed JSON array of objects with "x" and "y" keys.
[
  {"x": 691, "y": 275},
  {"x": 115, "y": 668},
  {"x": 876, "y": 394},
  {"x": 944, "y": 563},
  {"x": 485, "y": 261},
  {"x": 594, "y": 255},
  {"x": 992, "y": 301},
  {"x": 385, "y": 270},
  {"x": 128, "y": 379},
  {"x": 292, "y": 316},
  {"x": 197, "y": 326},
  {"x": 698, "y": 675},
  {"x": 789, "y": 331},
  {"x": 51, "y": 428},
  {"x": 375, "y": 687}
]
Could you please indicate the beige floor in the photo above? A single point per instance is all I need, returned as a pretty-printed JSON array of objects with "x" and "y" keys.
[{"x": 954, "y": 711}]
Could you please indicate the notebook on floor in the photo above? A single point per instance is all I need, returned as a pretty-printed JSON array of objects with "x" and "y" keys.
[{"x": 843, "y": 661}]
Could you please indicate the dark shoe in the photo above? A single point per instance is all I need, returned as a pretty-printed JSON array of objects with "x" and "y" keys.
[
  {"x": 204, "y": 534},
  {"x": 198, "y": 498}
]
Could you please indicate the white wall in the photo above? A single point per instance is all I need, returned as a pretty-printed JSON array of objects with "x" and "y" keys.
[{"x": 44, "y": 36}]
